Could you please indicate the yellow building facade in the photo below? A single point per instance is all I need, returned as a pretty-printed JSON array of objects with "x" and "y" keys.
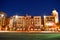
[
  {"x": 2, "y": 20},
  {"x": 28, "y": 22}
]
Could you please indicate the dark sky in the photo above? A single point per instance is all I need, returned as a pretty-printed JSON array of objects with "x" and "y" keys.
[{"x": 32, "y": 7}]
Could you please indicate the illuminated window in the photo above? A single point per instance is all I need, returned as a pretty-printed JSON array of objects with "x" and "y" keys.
[{"x": 51, "y": 17}]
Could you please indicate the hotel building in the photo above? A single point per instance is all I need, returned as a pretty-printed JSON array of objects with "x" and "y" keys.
[
  {"x": 55, "y": 14},
  {"x": 49, "y": 22},
  {"x": 17, "y": 22},
  {"x": 29, "y": 23},
  {"x": 37, "y": 22},
  {"x": 25, "y": 22},
  {"x": 2, "y": 20}
]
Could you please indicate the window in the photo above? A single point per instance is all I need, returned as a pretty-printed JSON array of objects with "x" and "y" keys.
[
  {"x": 51, "y": 17},
  {"x": 47, "y": 17}
]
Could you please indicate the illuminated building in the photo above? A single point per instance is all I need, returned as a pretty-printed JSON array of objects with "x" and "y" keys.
[
  {"x": 55, "y": 14},
  {"x": 31, "y": 28},
  {"x": 10, "y": 23},
  {"x": 29, "y": 23},
  {"x": 37, "y": 22},
  {"x": 25, "y": 22},
  {"x": 20, "y": 23},
  {"x": 2, "y": 20},
  {"x": 49, "y": 22},
  {"x": 17, "y": 22}
]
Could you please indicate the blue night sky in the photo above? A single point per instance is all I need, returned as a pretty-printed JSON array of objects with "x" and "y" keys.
[{"x": 32, "y": 7}]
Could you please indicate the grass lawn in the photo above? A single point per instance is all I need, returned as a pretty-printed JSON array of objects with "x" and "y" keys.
[{"x": 29, "y": 36}]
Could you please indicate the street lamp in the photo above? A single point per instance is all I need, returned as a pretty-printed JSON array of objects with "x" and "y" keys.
[
  {"x": 44, "y": 16},
  {"x": 2, "y": 15},
  {"x": 16, "y": 16}
]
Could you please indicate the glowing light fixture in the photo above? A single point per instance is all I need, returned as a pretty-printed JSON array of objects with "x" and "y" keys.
[
  {"x": 44, "y": 16},
  {"x": 2, "y": 15},
  {"x": 16, "y": 16}
]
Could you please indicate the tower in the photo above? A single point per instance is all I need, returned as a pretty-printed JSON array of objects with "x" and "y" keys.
[{"x": 55, "y": 14}]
